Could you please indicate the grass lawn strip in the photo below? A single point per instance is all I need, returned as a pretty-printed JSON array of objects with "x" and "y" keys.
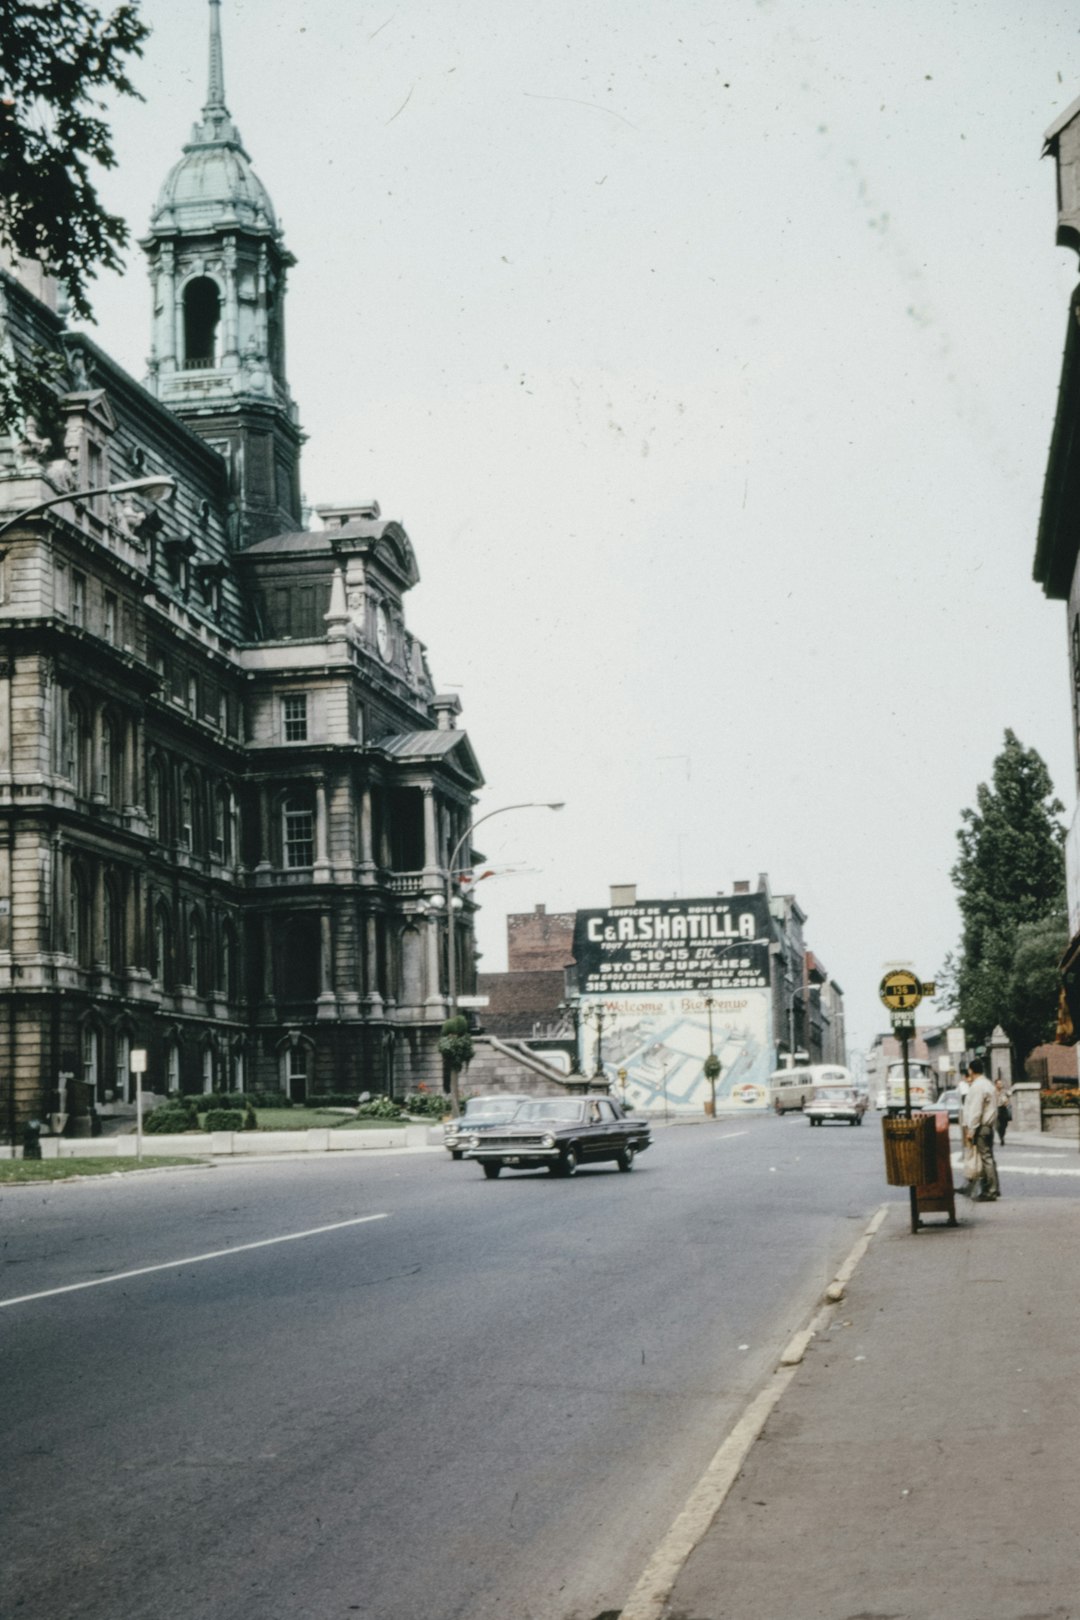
[
  {"x": 308, "y": 1119},
  {"x": 27, "y": 1170}
]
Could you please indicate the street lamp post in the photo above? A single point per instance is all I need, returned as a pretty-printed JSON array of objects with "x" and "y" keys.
[
  {"x": 712, "y": 1063},
  {"x": 574, "y": 1009},
  {"x": 449, "y": 896},
  {"x": 154, "y": 489},
  {"x": 599, "y": 1017}
]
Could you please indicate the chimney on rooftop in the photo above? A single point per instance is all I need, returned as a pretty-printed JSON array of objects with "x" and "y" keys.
[
  {"x": 623, "y": 894},
  {"x": 741, "y": 886}
]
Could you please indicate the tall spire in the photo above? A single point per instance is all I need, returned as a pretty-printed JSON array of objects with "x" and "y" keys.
[
  {"x": 216, "y": 126},
  {"x": 215, "y": 94}
]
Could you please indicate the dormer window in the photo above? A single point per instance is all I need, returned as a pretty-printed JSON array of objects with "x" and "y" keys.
[{"x": 202, "y": 316}]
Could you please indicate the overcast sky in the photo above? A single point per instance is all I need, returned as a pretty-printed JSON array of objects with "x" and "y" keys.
[{"x": 708, "y": 353}]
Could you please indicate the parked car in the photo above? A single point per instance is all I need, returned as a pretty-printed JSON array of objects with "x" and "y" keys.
[
  {"x": 844, "y": 1103},
  {"x": 950, "y": 1102},
  {"x": 480, "y": 1114},
  {"x": 560, "y": 1133}
]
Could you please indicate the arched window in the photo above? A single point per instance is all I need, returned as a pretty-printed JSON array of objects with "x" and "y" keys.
[
  {"x": 188, "y": 805},
  {"x": 161, "y": 966},
  {"x": 298, "y": 830},
  {"x": 296, "y": 1067},
  {"x": 202, "y": 314},
  {"x": 111, "y": 766},
  {"x": 90, "y": 1061},
  {"x": 155, "y": 785},
  {"x": 297, "y": 948},
  {"x": 122, "y": 1066},
  {"x": 113, "y": 925},
  {"x": 76, "y": 766},
  {"x": 195, "y": 952},
  {"x": 228, "y": 961},
  {"x": 222, "y": 846},
  {"x": 79, "y": 944}
]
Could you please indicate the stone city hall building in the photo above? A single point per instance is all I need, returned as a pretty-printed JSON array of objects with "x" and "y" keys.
[{"x": 227, "y": 784}]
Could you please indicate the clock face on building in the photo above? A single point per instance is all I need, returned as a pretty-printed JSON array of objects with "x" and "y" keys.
[{"x": 382, "y": 631}]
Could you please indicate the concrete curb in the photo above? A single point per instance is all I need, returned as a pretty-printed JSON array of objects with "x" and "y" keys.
[{"x": 656, "y": 1584}]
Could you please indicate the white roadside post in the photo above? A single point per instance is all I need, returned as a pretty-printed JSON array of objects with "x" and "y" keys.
[{"x": 138, "y": 1069}]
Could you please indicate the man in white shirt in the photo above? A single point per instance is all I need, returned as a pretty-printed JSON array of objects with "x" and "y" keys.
[{"x": 979, "y": 1117}]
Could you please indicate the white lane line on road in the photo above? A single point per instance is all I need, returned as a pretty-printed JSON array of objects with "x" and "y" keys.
[
  {"x": 191, "y": 1260},
  {"x": 1031, "y": 1169},
  {"x": 649, "y": 1598}
]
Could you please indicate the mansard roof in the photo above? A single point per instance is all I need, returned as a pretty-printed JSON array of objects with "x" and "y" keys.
[{"x": 369, "y": 534}]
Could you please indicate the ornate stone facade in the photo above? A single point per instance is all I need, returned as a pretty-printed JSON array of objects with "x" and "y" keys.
[{"x": 227, "y": 785}]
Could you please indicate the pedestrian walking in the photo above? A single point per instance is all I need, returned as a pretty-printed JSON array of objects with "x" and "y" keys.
[
  {"x": 979, "y": 1118},
  {"x": 1004, "y": 1108}
]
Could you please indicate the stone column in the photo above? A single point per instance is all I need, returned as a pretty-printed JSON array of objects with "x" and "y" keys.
[
  {"x": 229, "y": 341},
  {"x": 97, "y": 916},
  {"x": 167, "y": 302},
  {"x": 999, "y": 1057},
  {"x": 268, "y": 959},
  {"x": 431, "y": 837},
  {"x": 265, "y": 846},
  {"x": 367, "y": 853},
  {"x": 1026, "y": 1106},
  {"x": 97, "y": 728},
  {"x": 322, "y": 860},
  {"x": 372, "y": 994},
  {"x": 327, "y": 999},
  {"x": 434, "y": 989}
]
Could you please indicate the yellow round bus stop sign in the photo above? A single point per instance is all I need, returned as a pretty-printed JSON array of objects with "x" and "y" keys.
[{"x": 900, "y": 990}]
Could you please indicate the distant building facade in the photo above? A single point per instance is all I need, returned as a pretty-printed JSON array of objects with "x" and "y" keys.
[
  {"x": 227, "y": 783},
  {"x": 1057, "y": 550},
  {"x": 661, "y": 984}
]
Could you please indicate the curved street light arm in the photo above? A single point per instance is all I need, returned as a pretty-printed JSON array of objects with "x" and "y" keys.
[{"x": 154, "y": 488}]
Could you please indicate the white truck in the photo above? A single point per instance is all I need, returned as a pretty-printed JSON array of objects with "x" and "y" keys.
[{"x": 922, "y": 1082}]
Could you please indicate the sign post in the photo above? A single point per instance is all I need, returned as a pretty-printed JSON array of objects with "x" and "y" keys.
[
  {"x": 138, "y": 1069},
  {"x": 901, "y": 991}
]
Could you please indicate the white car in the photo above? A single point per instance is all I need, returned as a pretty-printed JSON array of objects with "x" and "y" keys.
[
  {"x": 844, "y": 1103},
  {"x": 480, "y": 1114}
]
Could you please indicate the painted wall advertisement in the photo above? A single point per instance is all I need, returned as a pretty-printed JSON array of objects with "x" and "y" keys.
[{"x": 663, "y": 972}]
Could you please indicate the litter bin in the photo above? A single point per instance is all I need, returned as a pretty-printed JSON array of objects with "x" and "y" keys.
[{"x": 910, "y": 1151}]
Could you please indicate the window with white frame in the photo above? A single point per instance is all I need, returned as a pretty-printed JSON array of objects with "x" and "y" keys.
[
  {"x": 295, "y": 1075},
  {"x": 295, "y": 716},
  {"x": 208, "y": 1069},
  {"x": 78, "y": 597},
  {"x": 173, "y": 1066},
  {"x": 109, "y": 618},
  {"x": 299, "y": 832},
  {"x": 122, "y": 1069},
  {"x": 90, "y": 1059},
  {"x": 187, "y": 812}
]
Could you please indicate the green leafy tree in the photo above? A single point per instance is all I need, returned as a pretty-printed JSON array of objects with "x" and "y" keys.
[
  {"x": 455, "y": 1044},
  {"x": 58, "y": 58},
  {"x": 1010, "y": 880}
]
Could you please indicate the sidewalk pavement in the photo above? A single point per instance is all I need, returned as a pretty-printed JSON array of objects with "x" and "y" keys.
[{"x": 923, "y": 1463}]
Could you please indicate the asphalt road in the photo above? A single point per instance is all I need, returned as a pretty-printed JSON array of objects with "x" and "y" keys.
[{"x": 489, "y": 1402}]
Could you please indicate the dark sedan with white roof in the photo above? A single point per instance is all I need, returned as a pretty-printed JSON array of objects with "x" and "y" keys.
[{"x": 561, "y": 1134}]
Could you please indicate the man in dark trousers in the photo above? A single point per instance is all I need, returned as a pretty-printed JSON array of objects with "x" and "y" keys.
[{"x": 979, "y": 1119}]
